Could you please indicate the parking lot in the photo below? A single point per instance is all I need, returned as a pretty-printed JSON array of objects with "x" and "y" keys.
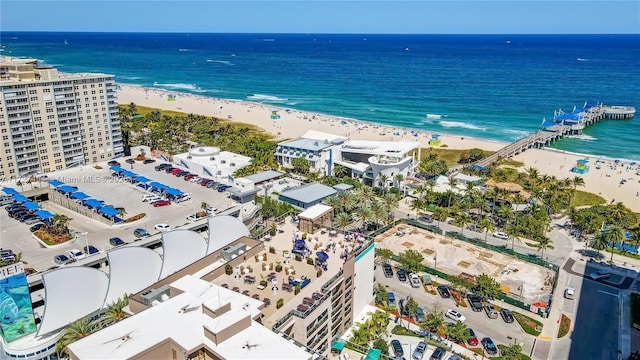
[
  {"x": 521, "y": 279},
  {"x": 99, "y": 184}
]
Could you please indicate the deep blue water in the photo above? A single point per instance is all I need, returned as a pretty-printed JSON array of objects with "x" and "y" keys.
[{"x": 496, "y": 87}]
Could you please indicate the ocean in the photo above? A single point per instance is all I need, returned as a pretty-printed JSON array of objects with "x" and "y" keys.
[{"x": 495, "y": 87}]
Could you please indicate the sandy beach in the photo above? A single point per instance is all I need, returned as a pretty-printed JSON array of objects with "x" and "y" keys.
[{"x": 293, "y": 123}]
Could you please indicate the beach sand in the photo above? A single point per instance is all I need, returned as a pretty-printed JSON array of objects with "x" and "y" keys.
[{"x": 294, "y": 123}]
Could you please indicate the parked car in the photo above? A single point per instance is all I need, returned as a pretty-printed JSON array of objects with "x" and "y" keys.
[
  {"x": 148, "y": 161},
  {"x": 507, "y": 316},
  {"x": 61, "y": 259},
  {"x": 570, "y": 293},
  {"x": 181, "y": 173},
  {"x": 224, "y": 188},
  {"x": 90, "y": 250},
  {"x": 5, "y": 200},
  {"x": 76, "y": 254},
  {"x": 162, "y": 227},
  {"x": 415, "y": 280},
  {"x": 193, "y": 217},
  {"x": 182, "y": 197},
  {"x": 473, "y": 339},
  {"x": 130, "y": 161},
  {"x": 141, "y": 233},
  {"x": 162, "y": 167},
  {"x": 438, "y": 353},
  {"x": 426, "y": 218},
  {"x": 500, "y": 235},
  {"x": 397, "y": 348},
  {"x": 113, "y": 163},
  {"x": 419, "y": 351},
  {"x": 402, "y": 275},
  {"x": 454, "y": 315},
  {"x": 388, "y": 270},
  {"x": 473, "y": 227},
  {"x": 7, "y": 256},
  {"x": 443, "y": 290},
  {"x": 491, "y": 311},
  {"x": 420, "y": 315},
  {"x": 391, "y": 299},
  {"x": 150, "y": 198},
  {"x": 116, "y": 241},
  {"x": 212, "y": 184},
  {"x": 600, "y": 275},
  {"x": 31, "y": 220},
  {"x": 174, "y": 170},
  {"x": 161, "y": 203},
  {"x": 204, "y": 181},
  {"x": 36, "y": 227},
  {"x": 188, "y": 177},
  {"x": 475, "y": 302},
  {"x": 210, "y": 210},
  {"x": 489, "y": 346}
]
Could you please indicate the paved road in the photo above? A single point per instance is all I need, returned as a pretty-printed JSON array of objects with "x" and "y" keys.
[{"x": 497, "y": 329}]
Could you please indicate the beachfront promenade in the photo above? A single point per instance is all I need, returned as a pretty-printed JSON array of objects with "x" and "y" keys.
[{"x": 557, "y": 131}]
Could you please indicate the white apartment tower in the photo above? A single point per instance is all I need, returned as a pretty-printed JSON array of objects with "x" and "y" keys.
[{"x": 51, "y": 121}]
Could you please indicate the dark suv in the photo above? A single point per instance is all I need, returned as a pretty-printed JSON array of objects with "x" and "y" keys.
[
  {"x": 397, "y": 348},
  {"x": 402, "y": 275},
  {"x": 506, "y": 315}
]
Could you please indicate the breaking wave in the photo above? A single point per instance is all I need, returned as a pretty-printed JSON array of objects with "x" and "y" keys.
[
  {"x": 264, "y": 97},
  {"x": 459, "y": 124}
]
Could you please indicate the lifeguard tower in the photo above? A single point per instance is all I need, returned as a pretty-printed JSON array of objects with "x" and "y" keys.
[
  {"x": 435, "y": 140},
  {"x": 582, "y": 167},
  {"x": 274, "y": 115}
]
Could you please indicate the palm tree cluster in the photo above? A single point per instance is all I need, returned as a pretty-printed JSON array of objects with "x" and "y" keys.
[
  {"x": 175, "y": 133},
  {"x": 372, "y": 329},
  {"x": 88, "y": 325},
  {"x": 363, "y": 206}
]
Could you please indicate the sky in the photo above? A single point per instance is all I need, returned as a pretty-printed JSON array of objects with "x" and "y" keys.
[{"x": 321, "y": 16}]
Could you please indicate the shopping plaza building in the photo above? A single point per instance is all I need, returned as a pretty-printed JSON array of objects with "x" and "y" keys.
[{"x": 51, "y": 120}]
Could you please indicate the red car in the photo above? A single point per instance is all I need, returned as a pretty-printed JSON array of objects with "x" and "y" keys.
[
  {"x": 161, "y": 203},
  {"x": 472, "y": 340},
  {"x": 189, "y": 177},
  {"x": 175, "y": 171}
]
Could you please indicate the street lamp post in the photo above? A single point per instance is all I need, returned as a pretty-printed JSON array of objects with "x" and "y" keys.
[{"x": 435, "y": 261}]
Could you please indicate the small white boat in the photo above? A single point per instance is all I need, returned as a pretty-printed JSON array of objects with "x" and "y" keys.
[{"x": 66, "y": 42}]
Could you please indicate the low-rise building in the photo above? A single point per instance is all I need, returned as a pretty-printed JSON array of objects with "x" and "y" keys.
[
  {"x": 307, "y": 195},
  {"x": 211, "y": 162},
  {"x": 316, "y": 147}
]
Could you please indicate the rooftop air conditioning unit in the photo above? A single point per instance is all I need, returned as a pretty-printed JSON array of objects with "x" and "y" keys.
[
  {"x": 189, "y": 157},
  {"x": 149, "y": 296}
]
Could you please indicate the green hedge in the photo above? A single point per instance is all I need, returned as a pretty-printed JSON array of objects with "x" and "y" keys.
[
  {"x": 528, "y": 324},
  {"x": 520, "y": 357}
]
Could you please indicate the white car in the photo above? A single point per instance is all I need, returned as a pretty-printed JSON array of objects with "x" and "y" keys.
[
  {"x": 181, "y": 198},
  {"x": 211, "y": 210},
  {"x": 415, "y": 280},
  {"x": 570, "y": 293},
  {"x": 500, "y": 235},
  {"x": 454, "y": 315},
  {"x": 196, "y": 179},
  {"x": 163, "y": 227},
  {"x": 194, "y": 217},
  {"x": 76, "y": 254},
  {"x": 150, "y": 198}
]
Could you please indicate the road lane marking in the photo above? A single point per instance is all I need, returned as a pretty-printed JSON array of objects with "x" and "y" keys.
[{"x": 608, "y": 293}]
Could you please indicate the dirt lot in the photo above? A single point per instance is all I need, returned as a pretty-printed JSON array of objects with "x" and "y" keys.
[{"x": 451, "y": 256}]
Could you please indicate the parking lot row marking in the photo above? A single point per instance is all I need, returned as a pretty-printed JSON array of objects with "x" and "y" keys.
[{"x": 608, "y": 293}]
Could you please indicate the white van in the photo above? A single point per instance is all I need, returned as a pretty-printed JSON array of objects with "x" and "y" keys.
[{"x": 181, "y": 198}]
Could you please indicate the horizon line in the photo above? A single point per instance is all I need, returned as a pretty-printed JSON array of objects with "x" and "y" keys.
[{"x": 291, "y": 33}]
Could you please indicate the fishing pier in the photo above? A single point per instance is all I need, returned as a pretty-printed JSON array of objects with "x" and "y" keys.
[{"x": 562, "y": 125}]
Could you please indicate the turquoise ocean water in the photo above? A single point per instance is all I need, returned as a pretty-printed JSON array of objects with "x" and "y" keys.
[{"x": 496, "y": 87}]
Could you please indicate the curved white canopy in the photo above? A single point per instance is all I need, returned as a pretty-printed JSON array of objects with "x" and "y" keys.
[
  {"x": 131, "y": 269},
  {"x": 181, "y": 248},
  {"x": 223, "y": 230}
]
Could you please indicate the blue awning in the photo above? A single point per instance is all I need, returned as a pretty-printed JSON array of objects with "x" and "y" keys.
[
  {"x": 92, "y": 203},
  {"x": 116, "y": 169},
  {"x": 44, "y": 214},
  {"x": 20, "y": 198},
  {"x": 128, "y": 173},
  {"x": 108, "y": 210},
  {"x": 79, "y": 195},
  {"x": 141, "y": 179},
  {"x": 66, "y": 189},
  {"x": 10, "y": 191},
  {"x": 30, "y": 205},
  {"x": 172, "y": 191},
  {"x": 55, "y": 183},
  {"x": 157, "y": 185}
]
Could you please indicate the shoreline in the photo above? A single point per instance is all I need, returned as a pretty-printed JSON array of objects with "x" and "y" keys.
[{"x": 294, "y": 123}]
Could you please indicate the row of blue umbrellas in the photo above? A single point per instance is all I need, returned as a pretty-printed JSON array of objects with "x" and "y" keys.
[
  {"x": 144, "y": 180},
  {"x": 30, "y": 205},
  {"x": 72, "y": 192}
]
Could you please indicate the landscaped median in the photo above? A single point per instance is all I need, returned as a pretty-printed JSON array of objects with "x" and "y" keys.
[
  {"x": 565, "y": 326},
  {"x": 529, "y": 325}
]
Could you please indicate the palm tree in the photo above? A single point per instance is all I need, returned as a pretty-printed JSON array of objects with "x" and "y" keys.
[
  {"x": 452, "y": 185},
  {"x": 383, "y": 179},
  {"x": 576, "y": 181},
  {"x": 115, "y": 312},
  {"x": 487, "y": 226},
  {"x": 342, "y": 220},
  {"x": 398, "y": 178},
  {"x": 543, "y": 244},
  {"x": 614, "y": 234},
  {"x": 599, "y": 242},
  {"x": 440, "y": 214},
  {"x": 512, "y": 234},
  {"x": 204, "y": 205},
  {"x": 75, "y": 331},
  {"x": 463, "y": 219}
]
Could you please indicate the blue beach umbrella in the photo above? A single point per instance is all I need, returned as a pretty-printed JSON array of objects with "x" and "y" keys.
[{"x": 322, "y": 256}]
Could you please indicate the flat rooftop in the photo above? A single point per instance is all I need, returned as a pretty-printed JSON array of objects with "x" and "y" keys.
[{"x": 390, "y": 148}]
